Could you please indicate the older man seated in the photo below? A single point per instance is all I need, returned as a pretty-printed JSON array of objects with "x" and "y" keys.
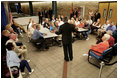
[
  {"x": 102, "y": 46},
  {"x": 103, "y": 27},
  {"x": 38, "y": 37},
  {"x": 30, "y": 31},
  {"x": 85, "y": 34},
  {"x": 46, "y": 23},
  {"x": 95, "y": 26},
  {"x": 112, "y": 27},
  {"x": 20, "y": 50}
]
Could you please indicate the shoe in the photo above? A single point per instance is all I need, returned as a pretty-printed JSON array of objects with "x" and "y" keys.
[
  {"x": 71, "y": 59},
  {"x": 23, "y": 73},
  {"x": 28, "y": 61},
  {"x": 85, "y": 54},
  {"x": 31, "y": 71},
  {"x": 87, "y": 39}
]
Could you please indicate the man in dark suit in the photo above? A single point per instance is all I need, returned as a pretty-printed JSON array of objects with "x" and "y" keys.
[
  {"x": 75, "y": 12},
  {"x": 97, "y": 15},
  {"x": 50, "y": 13},
  {"x": 40, "y": 16},
  {"x": 66, "y": 30}
]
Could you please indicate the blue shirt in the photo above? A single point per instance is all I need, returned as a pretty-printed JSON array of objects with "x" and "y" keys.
[
  {"x": 112, "y": 28},
  {"x": 51, "y": 28},
  {"x": 12, "y": 59},
  {"x": 37, "y": 34}
]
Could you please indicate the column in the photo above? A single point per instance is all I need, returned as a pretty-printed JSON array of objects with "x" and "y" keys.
[
  {"x": 19, "y": 5},
  {"x": 54, "y": 8},
  {"x": 31, "y": 8}
]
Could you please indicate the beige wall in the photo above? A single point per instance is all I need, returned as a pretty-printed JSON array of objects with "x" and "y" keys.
[
  {"x": 25, "y": 7},
  {"x": 63, "y": 7}
]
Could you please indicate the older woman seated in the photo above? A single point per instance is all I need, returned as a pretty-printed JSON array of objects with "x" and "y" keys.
[
  {"x": 111, "y": 40},
  {"x": 102, "y": 46}
]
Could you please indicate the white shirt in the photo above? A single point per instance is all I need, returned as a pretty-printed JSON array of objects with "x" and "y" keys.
[
  {"x": 60, "y": 23},
  {"x": 30, "y": 25},
  {"x": 77, "y": 23},
  {"x": 105, "y": 26},
  {"x": 90, "y": 22}
]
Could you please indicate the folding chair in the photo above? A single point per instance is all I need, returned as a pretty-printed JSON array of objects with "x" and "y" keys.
[
  {"x": 114, "y": 51},
  {"x": 104, "y": 58},
  {"x": 20, "y": 76}
]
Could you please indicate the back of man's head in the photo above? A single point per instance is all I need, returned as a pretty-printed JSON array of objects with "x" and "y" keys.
[{"x": 65, "y": 19}]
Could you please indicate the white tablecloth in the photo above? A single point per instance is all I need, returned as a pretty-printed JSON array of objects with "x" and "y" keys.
[
  {"x": 82, "y": 29},
  {"x": 47, "y": 31}
]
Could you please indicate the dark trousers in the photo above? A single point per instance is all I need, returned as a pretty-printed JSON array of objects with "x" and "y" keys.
[
  {"x": 68, "y": 51},
  {"x": 24, "y": 64},
  {"x": 42, "y": 41},
  {"x": 40, "y": 20}
]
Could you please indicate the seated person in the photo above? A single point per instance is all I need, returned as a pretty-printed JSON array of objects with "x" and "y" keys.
[
  {"x": 52, "y": 30},
  {"x": 85, "y": 34},
  {"x": 53, "y": 19},
  {"x": 4, "y": 39},
  {"x": 77, "y": 22},
  {"x": 38, "y": 37},
  {"x": 16, "y": 28},
  {"x": 20, "y": 50},
  {"x": 81, "y": 25},
  {"x": 95, "y": 25},
  {"x": 14, "y": 61},
  {"x": 90, "y": 21},
  {"x": 74, "y": 17},
  {"x": 30, "y": 23},
  {"x": 46, "y": 23},
  {"x": 99, "y": 38},
  {"x": 73, "y": 20},
  {"x": 104, "y": 27},
  {"x": 56, "y": 30},
  {"x": 56, "y": 26},
  {"x": 10, "y": 30},
  {"x": 102, "y": 46},
  {"x": 17, "y": 25},
  {"x": 62, "y": 18},
  {"x": 112, "y": 27},
  {"x": 60, "y": 22},
  {"x": 31, "y": 30},
  {"x": 111, "y": 40},
  {"x": 83, "y": 20}
]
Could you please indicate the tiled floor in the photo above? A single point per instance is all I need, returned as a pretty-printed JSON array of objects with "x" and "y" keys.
[{"x": 49, "y": 64}]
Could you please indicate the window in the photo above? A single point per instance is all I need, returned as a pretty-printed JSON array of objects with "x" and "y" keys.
[
  {"x": 104, "y": 13},
  {"x": 110, "y": 13}
]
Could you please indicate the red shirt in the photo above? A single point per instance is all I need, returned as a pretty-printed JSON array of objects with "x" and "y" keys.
[
  {"x": 100, "y": 47},
  {"x": 111, "y": 41}
]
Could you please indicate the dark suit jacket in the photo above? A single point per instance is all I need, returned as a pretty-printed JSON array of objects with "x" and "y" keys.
[
  {"x": 97, "y": 16},
  {"x": 66, "y": 30},
  {"x": 40, "y": 13}
]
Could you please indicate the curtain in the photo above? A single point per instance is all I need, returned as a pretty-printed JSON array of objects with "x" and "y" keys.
[{"x": 3, "y": 17}]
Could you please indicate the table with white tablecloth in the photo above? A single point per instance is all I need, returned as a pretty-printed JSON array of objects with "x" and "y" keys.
[{"x": 80, "y": 31}]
